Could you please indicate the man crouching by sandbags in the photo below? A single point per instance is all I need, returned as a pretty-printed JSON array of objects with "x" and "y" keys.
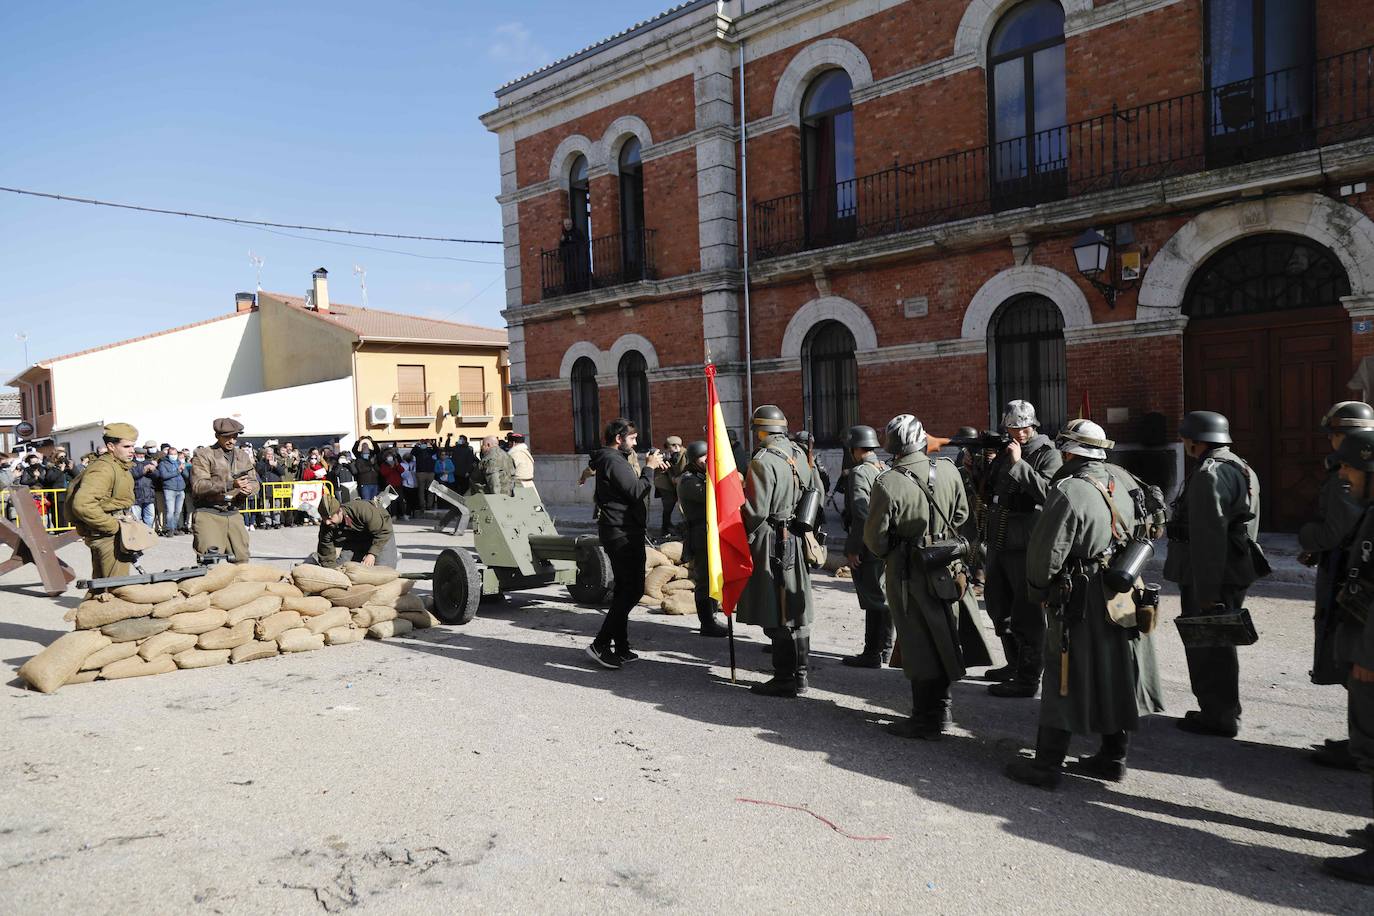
[{"x": 356, "y": 531}]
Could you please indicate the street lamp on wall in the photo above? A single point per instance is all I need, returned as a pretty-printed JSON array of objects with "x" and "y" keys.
[{"x": 1095, "y": 254}]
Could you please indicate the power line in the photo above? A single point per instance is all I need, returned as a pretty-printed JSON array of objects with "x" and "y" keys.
[
  {"x": 242, "y": 222},
  {"x": 409, "y": 254}
]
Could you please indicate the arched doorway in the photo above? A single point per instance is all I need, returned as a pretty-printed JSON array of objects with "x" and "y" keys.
[
  {"x": 830, "y": 382},
  {"x": 1268, "y": 345},
  {"x": 1026, "y": 359}
]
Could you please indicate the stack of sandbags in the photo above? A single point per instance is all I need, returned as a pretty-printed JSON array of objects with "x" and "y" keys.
[
  {"x": 382, "y": 603},
  {"x": 668, "y": 586}
]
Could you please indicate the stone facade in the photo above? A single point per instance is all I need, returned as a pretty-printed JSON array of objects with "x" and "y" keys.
[{"x": 919, "y": 301}]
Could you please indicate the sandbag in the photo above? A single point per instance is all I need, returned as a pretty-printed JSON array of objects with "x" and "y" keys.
[
  {"x": 300, "y": 640},
  {"x": 359, "y": 574},
  {"x": 55, "y": 665},
  {"x": 680, "y": 604},
  {"x": 262, "y": 606},
  {"x": 335, "y": 617},
  {"x": 259, "y": 572},
  {"x": 284, "y": 590},
  {"x": 420, "y": 620},
  {"x": 369, "y": 614},
  {"x": 658, "y": 577},
  {"x": 197, "y": 622},
  {"x": 111, "y": 653},
  {"x": 166, "y": 644},
  {"x": 182, "y": 605},
  {"x": 277, "y": 624},
  {"x": 672, "y": 550},
  {"x": 312, "y": 606},
  {"x": 342, "y": 636},
  {"x": 200, "y": 658},
  {"x": 237, "y": 593},
  {"x": 650, "y": 601},
  {"x": 137, "y": 667},
  {"x": 83, "y": 677},
  {"x": 387, "y": 593},
  {"x": 389, "y": 628},
  {"x": 654, "y": 558},
  {"x": 314, "y": 579},
  {"x": 678, "y": 585},
  {"x": 410, "y": 603},
  {"x": 96, "y": 613},
  {"x": 351, "y": 597},
  {"x": 133, "y": 630},
  {"x": 219, "y": 576},
  {"x": 150, "y": 593},
  {"x": 679, "y": 572},
  {"x": 252, "y": 651},
  {"x": 230, "y": 637}
]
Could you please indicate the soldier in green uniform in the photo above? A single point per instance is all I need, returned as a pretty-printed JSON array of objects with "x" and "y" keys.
[
  {"x": 691, "y": 497},
  {"x": 360, "y": 529},
  {"x": 778, "y": 594},
  {"x": 1112, "y": 678},
  {"x": 1018, "y": 479},
  {"x": 495, "y": 471},
  {"x": 917, "y": 502},
  {"x": 1323, "y": 542},
  {"x": 1216, "y": 519},
  {"x": 865, "y": 566},
  {"x": 1355, "y": 457},
  {"x": 99, "y": 495},
  {"x": 222, "y": 481}
]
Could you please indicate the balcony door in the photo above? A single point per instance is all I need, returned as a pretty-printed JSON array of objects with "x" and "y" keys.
[
  {"x": 412, "y": 397},
  {"x": 1028, "y": 109},
  {"x": 828, "y": 159}
]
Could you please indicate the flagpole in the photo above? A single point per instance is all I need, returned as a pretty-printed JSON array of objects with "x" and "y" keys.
[{"x": 730, "y": 626}]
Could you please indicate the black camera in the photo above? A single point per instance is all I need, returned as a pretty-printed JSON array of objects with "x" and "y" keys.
[{"x": 986, "y": 441}]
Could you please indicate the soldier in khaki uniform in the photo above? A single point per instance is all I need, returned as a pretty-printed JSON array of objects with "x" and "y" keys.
[
  {"x": 222, "y": 480},
  {"x": 99, "y": 495},
  {"x": 495, "y": 471},
  {"x": 360, "y": 529},
  {"x": 866, "y": 566},
  {"x": 918, "y": 501}
]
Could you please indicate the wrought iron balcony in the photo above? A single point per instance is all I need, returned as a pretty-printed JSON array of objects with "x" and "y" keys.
[
  {"x": 1328, "y": 101},
  {"x": 471, "y": 405},
  {"x": 606, "y": 261},
  {"x": 413, "y": 406}
]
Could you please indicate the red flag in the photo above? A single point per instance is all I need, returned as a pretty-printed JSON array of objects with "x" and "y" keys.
[
  {"x": 729, "y": 563},
  {"x": 1085, "y": 409}
]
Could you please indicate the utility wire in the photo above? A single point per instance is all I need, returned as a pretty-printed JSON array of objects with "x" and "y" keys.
[
  {"x": 242, "y": 222},
  {"x": 409, "y": 254}
]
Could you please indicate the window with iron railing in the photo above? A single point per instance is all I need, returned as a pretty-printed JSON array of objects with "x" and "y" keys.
[
  {"x": 413, "y": 403},
  {"x": 614, "y": 260},
  {"x": 473, "y": 403}
]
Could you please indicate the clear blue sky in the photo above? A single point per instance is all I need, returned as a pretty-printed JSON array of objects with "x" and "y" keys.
[{"x": 352, "y": 113}]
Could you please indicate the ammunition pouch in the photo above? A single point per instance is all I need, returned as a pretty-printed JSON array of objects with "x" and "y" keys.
[
  {"x": 1217, "y": 631},
  {"x": 942, "y": 553}
]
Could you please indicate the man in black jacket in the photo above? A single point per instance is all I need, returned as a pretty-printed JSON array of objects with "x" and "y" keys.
[{"x": 622, "y": 513}]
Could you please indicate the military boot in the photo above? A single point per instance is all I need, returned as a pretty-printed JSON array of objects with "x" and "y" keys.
[
  {"x": 1045, "y": 770},
  {"x": 1026, "y": 681},
  {"x": 1359, "y": 869},
  {"x": 877, "y": 646},
  {"x": 784, "y": 681},
  {"x": 803, "y": 655},
  {"x": 910, "y": 727},
  {"x": 712, "y": 624},
  {"x": 1007, "y": 671},
  {"x": 1334, "y": 753},
  {"x": 1109, "y": 763}
]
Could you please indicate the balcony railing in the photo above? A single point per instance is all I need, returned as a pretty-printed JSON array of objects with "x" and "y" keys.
[
  {"x": 413, "y": 406},
  {"x": 471, "y": 404},
  {"x": 1299, "y": 108},
  {"x": 606, "y": 261}
]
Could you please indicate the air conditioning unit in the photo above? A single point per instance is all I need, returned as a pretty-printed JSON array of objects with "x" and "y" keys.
[{"x": 380, "y": 415}]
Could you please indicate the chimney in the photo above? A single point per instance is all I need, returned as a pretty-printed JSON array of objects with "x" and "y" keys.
[
  {"x": 244, "y": 302},
  {"x": 320, "y": 289}
]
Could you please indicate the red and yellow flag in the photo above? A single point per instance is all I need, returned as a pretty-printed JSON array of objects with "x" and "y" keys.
[{"x": 729, "y": 563}]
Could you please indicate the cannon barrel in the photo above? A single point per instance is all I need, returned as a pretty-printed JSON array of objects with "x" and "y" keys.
[{"x": 558, "y": 547}]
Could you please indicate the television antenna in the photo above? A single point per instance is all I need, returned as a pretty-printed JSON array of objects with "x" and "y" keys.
[
  {"x": 257, "y": 263},
  {"x": 360, "y": 272},
  {"x": 23, "y": 337}
]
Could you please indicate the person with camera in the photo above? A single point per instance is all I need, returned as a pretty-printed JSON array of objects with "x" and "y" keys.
[
  {"x": 1212, "y": 556},
  {"x": 865, "y": 566},
  {"x": 691, "y": 496},
  {"x": 223, "y": 479},
  {"x": 144, "y": 471},
  {"x": 1100, "y": 673},
  {"x": 666, "y": 480},
  {"x": 100, "y": 495},
  {"x": 912, "y": 523},
  {"x": 777, "y": 596},
  {"x": 1018, "y": 477},
  {"x": 622, "y": 517}
]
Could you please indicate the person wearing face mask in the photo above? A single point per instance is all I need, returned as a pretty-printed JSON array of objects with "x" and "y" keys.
[
  {"x": 222, "y": 481},
  {"x": 365, "y": 468},
  {"x": 389, "y": 475}
]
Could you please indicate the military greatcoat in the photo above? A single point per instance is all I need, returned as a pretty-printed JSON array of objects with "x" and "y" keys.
[
  {"x": 1338, "y": 515},
  {"x": 777, "y": 474}
]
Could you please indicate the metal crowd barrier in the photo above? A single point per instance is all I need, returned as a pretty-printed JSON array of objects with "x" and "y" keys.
[
  {"x": 52, "y": 507},
  {"x": 280, "y": 496}
]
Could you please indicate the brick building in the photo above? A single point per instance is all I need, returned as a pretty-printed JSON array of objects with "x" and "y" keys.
[{"x": 1149, "y": 206}]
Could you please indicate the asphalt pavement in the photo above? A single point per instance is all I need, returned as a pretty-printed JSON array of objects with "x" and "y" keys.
[{"x": 492, "y": 767}]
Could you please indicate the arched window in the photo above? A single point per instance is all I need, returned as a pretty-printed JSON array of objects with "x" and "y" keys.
[
  {"x": 574, "y": 248},
  {"x": 1027, "y": 110},
  {"x": 828, "y": 158},
  {"x": 1259, "y": 70},
  {"x": 1026, "y": 343},
  {"x": 1266, "y": 273},
  {"x": 830, "y": 380},
  {"x": 634, "y": 395},
  {"x": 631, "y": 210},
  {"x": 586, "y": 406}
]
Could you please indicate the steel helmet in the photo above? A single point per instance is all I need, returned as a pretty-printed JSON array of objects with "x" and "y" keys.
[
  {"x": 1206, "y": 426},
  {"x": 966, "y": 432},
  {"x": 695, "y": 450},
  {"x": 861, "y": 437},
  {"x": 1357, "y": 450},
  {"x": 1085, "y": 439},
  {"x": 904, "y": 435},
  {"x": 1348, "y": 415},
  {"x": 1019, "y": 415},
  {"x": 770, "y": 418}
]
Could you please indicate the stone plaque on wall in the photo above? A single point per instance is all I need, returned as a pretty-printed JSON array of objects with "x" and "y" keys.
[{"x": 916, "y": 307}]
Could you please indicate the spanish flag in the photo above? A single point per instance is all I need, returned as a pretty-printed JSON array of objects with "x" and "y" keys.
[{"x": 729, "y": 563}]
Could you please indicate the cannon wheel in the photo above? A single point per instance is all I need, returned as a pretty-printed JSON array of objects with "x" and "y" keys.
[
  {"x": 457, "y": 587},
  {"x": 594, "y": 578}
]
